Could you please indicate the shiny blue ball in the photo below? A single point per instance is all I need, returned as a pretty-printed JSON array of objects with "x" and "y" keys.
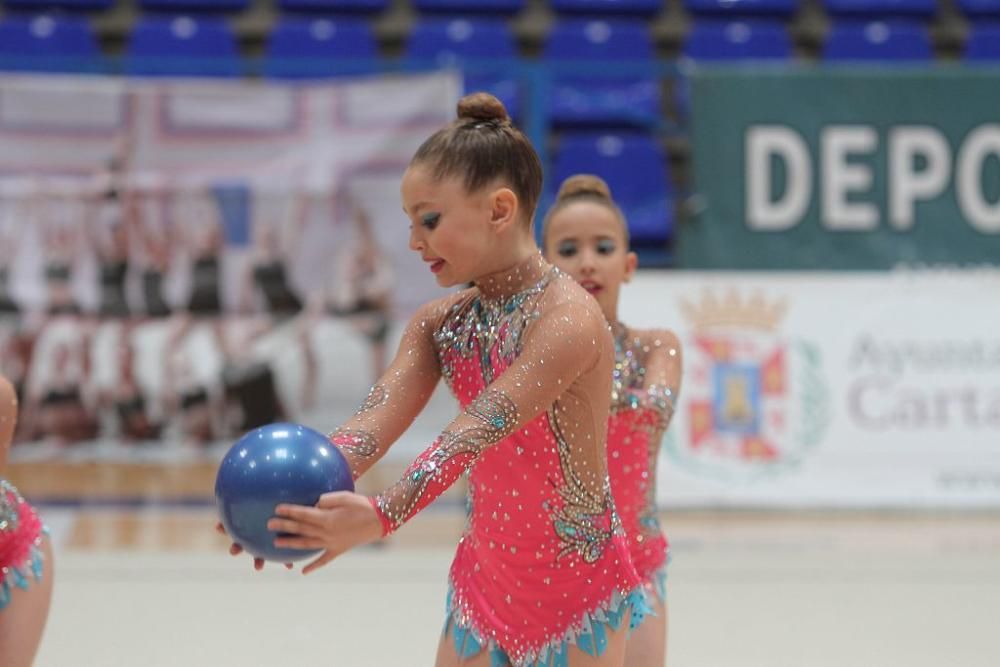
[{"x": 271, "y": 465}]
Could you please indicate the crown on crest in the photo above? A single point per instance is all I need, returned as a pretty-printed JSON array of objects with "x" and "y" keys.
[{"x": 733, "y": 310}]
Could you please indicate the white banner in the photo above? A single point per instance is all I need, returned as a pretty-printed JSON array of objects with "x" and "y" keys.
[
  {"x": 180, "y": 260},
  {"x": 830, "y": 390}
]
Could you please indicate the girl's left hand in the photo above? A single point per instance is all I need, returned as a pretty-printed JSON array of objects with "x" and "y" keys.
[{"x": 340, "y": 521}]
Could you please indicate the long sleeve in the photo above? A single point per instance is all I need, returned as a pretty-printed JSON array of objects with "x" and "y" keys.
[
  {"x": 561, "y": 345},
  {"x": 397, "y": 398},
  {"x": 664, "y": 367}
]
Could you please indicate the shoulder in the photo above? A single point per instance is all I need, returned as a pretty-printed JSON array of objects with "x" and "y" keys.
[
  {"x": 658, "y": 339},
  {"x": 567, "y": 300},
  {"x": 570, "y": 318},
  {"x": 433, "y": 313}
]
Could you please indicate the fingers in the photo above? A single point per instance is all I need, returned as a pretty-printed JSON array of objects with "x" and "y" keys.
[
  {"x": 300, "y": 513},
  {"x": 235, "y": 549},
  {"x": 333, "y": 499},
  {"x": 258, "y": 564},
  {"x": 219, "y": 528},
  {"x": 321, "y": 561},
  {"x": 293, "y": 527},
  {"x": 299, "y": 543}
]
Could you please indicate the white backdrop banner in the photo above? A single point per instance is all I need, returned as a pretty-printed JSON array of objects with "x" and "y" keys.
[{"x": 830, "y": 390}]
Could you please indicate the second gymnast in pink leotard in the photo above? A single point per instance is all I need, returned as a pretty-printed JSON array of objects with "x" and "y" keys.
[
  {"x": 25, "y": 557},
  {"x": 586, "y": 236},
  {"x": 542, "y": 574}
]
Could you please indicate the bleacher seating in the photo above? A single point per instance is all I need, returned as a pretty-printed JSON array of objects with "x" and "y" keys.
[
  {"x": 48, "y": 43},
  {"x": 609, "y": 62},
  {"x": 58, "y": 5},
  {"x": 608, "y": 7},
  {"x": 199, "y": 6},
  {"x": 301, "y": 47},
  {"x": 742, "y": 40},
  {"x": 983, "y": 44},
  {"x": 582, "y": 95},
  {"x": 475, "y": 43},
  {"x": 634, "y": 167},
  {"x": 884, "y": 41},
  {"x": 182, "y": 46},
  {"x": 469, "y": 6},
  {"x": 331, "y": 7}
]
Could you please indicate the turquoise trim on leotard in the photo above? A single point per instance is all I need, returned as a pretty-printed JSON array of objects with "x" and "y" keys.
[
  {"x": 593, "y": 640},
  {"x": 20, "y": 575}
]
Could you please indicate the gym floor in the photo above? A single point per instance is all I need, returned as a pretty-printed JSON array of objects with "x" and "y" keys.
[{"x": 155, "y": 586}]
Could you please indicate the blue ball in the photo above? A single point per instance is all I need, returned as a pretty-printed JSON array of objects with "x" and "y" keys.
[{"x": 275, "y": 464}]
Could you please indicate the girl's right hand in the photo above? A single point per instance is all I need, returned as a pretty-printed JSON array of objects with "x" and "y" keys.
[{"x": 236, "y": 550}]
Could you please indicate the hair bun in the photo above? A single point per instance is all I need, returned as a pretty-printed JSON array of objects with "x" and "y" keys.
[
  {"x": 481, "y": 107},
  {"x": 584, "y": 184}
]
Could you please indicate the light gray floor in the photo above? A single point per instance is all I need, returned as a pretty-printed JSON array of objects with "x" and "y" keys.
[{"x": 768, "y": 591}]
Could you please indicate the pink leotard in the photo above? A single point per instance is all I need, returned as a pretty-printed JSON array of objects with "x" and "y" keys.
[
  {"x": 645, "y": 387},
  {"x": 543, "y": 562},
  {"x": 21, "y": 534}
]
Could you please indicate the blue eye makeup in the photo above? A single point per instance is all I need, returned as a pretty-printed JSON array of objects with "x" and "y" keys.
[
  {"x": 430, "y": 220},
  {"x": 566, "y": 248}
]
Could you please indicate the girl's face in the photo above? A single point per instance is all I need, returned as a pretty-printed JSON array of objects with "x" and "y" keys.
[
  {"x": 586, "y": 240},
  {"x": 449, "y": 227}
]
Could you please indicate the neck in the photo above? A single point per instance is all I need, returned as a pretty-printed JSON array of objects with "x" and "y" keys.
[{"x": 526, "y": 270}]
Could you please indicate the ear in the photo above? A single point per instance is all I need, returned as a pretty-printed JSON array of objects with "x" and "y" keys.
[
  {"x": 503, "y": 209},
  {"x": 631, "y": 264}
]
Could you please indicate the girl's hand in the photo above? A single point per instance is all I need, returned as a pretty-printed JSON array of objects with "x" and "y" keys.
[
  {"x": 340, "y": 521},
  {"x": 236, "y": 550}
]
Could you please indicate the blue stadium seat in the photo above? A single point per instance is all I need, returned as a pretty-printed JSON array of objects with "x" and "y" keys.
[
  {"x": 182, "y": 46},
  {"x": 194, "y": 5},
  {"x": 742, "y": 7},
  {"x": 884, "y": 41},
  {"x": 635, "y": 168},
  {"x": 64, "y": 5},
  {"x": 881, "y": 8},
  {"x": 729, "y": 42},
  {"x": 46, "y": 43},
  {"x": 459, "y": 42},
  {"x": 579, "y": 98},
  {"x": 333, "y": 6},
  {"x": 470, "y": 6},
  {"x": 983, "y": 44},
  {"x": 980, "y": 8},
  {"x": 618, "y": 7},
  {"x": 320, "y": 47},
  {"x": 738, "y": 41}
]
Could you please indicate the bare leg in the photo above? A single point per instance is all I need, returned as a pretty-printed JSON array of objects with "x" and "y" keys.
[
  {"x": 614, "y": 652},
  {"x": 647, "y": 647},
  {"x": 447, "y": 656},
  {"x": 23, "y": 620}
]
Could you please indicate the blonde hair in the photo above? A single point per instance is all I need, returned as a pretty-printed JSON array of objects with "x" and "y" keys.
[{"x": 584, "y": 188}]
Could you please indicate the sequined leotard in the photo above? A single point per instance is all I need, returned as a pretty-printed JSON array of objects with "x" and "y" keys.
[
  {"x": 646, "y": 383},
  {"x": 543, "y": 562},
  {"x": 21, "y": 534},
  {"x": 20, "y": 529}
]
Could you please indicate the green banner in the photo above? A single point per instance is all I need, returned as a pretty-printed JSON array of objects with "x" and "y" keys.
[{"x": 844, "y": 168}]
